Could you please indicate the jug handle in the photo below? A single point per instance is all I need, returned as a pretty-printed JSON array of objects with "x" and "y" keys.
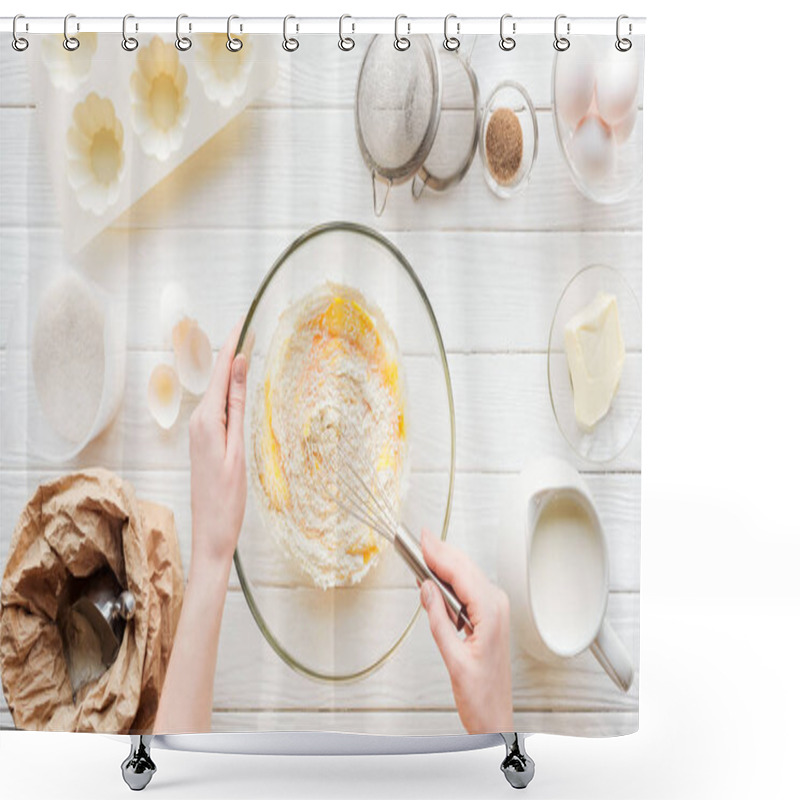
[
  {"x": 379, "y": 203},
  {"x": 609, "y": 650}
]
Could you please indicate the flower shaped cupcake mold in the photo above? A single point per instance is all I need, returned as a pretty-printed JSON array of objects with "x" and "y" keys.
[
  {"x": 95, "y": 153},
  {"x": 159, "y": 101},
  {"x": 68, "y": 69},
  {"x": 224, "y": 75}
]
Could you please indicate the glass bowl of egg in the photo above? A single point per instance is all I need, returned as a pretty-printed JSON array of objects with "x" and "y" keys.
[
  {"x": 597, "y": 112},
  {"x": 342, "y": 344},
  {"x": 594, "y": 363}
]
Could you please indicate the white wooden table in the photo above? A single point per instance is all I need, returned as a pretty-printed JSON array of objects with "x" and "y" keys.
[{"x": 493, "y": 270}]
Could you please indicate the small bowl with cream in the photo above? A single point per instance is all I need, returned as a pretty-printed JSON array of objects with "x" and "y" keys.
[{"x": 594, "y": 363}]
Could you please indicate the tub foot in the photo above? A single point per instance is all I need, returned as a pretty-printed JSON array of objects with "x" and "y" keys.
[
  {"x": 517, "y": 766},
  {"x": 138, "y": 768}
]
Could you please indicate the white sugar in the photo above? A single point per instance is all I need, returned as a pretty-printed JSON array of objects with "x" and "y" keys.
[{"x": 68, "y": 356}]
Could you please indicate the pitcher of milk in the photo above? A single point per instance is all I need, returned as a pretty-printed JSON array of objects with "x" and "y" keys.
[{"x": 553, "y": 564}]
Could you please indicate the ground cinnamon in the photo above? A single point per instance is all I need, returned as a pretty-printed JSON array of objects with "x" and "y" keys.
[{"x": 504, "y": 145}]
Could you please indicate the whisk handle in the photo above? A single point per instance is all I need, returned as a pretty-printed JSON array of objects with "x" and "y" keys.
[{"x": 410, "y": 550}]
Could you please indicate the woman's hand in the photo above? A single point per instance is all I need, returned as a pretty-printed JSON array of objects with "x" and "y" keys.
[
  {"x": 480, "y": 665},
  {"x": 216, "y": 447}
]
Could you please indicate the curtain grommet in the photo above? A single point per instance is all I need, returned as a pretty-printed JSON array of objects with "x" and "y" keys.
[
  {"x": 233, "y": 44},
  {"x": 182, "y": 43},
  {"x": 451, "y": 43},
  {"x": 19, "y": 43},
  {"x": 623, "y": 44},
  {"x": 290, "y": 43},
  {"x": 560, "y": 43},
  {"x": 507, "y": 43},
  {"x": 401, "y": 43},
  {"x": 70, "y": 43},
  {"x": 129, "y": 43},
  {"x": 346, "y": 43}
]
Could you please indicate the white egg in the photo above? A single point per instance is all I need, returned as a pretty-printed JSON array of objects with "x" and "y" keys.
[
  {"x": 174, "y": 307},
  {"x": 592, "y": 149},
  {"x": 193, "y": 355},
  {"x": 617, "y": 85},
  {"x": 164, "y": 395},
  {"x": 623, "y": 129},
  {"x": 574, "y": 86}
]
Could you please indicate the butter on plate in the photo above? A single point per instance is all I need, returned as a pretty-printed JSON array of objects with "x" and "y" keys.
[{"x": 595, "y": 355}]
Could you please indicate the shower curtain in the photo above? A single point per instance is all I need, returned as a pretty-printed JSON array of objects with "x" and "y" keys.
[{"x": 430, "y": 256}]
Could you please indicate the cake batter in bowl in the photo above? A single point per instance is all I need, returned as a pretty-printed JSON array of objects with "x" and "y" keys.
[{"x": 340, "y": 325}]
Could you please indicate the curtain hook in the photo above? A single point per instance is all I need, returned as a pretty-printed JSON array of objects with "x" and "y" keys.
[
  {"x": 70, "y": 43},
  {"x": 129, "y": 43},
  {"x": 18, "y": 42},
  {"x": 507, "y": 42},
  {"x": 401, "y": 42},
  {"x": 451, "y": 43},
  {"x": 183, "y": 43},
  {"x": 346, "y": 43},
  {"x": 623, "y": 45},
  {"x": 290, "y": 44},
  {"x": 560, "y": 43},
  {"x": 233, "y": 44}
]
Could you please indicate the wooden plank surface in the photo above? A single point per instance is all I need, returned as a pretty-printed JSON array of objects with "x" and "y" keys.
[
  {"x": 502, "y": 408},
  {"x": 250, "y": 675},
  {"x": 279, "y": 168},
  {"x": 508, "y": 308},
  {"x": 493, "y": 271},
  {"x": 475, "y": 525}
]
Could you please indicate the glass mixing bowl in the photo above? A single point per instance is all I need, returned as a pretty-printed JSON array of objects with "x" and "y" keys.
[{"x": 347, "y": 632}]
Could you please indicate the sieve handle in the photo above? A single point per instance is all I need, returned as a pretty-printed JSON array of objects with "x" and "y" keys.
[{"x": 410, "y": 550}]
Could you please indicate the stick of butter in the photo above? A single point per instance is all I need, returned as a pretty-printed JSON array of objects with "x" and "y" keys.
[{"x": 595, "y": 355}]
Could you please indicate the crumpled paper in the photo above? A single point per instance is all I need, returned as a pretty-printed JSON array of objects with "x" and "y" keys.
[{"x": 75, "y": 525}]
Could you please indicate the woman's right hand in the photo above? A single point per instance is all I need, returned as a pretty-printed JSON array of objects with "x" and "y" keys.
[{"x": 480, "y": 664}]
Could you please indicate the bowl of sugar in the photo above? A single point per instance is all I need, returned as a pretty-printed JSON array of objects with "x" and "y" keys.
[{"x": 65, "y": 377}]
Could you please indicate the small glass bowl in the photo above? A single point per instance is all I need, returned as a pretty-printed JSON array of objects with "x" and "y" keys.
[
  {"x": 614, "y": 432},
  {"x": 597, "y": 53},
  {"x": 512, "y": 95}
]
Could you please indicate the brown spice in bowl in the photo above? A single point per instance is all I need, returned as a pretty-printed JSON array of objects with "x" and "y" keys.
[{"x": 504, "y": 145}]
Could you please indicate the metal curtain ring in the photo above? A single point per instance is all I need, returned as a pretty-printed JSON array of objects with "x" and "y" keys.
[
  {"x": 507, "y": 42},
  {"x": 183, "y": 43},
  {"x": 233, "y": 44},
  {"x": 561, "y": 43},
  {"x": 290, "y": 44},
  {"x": 129, "y": 43},
  {"x": 70, "y": 43},
  {"x": 346, "y": 43},
  {"x": 451, "y": 43},
  {"x": 401, "y": 42},
  {"x": 623, "y": 45},
  {"x": 19, "y": 43}
]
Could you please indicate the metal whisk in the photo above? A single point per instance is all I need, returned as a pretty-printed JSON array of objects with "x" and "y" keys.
[{"x": 350, "y": 480}]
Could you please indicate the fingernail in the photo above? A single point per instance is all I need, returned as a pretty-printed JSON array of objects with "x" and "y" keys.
[
  {"x": 239, "y": 368},
  {"x": 427, "y": 594}
]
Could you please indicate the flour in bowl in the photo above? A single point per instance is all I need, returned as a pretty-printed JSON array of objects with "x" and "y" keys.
[{"x": 332, "y": 367}]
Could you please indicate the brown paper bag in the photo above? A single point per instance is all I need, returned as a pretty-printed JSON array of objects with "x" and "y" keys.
[{"x": 75, "y": 525}]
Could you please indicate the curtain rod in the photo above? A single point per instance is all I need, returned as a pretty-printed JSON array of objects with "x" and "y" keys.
[{"x": 518, "y": 26}]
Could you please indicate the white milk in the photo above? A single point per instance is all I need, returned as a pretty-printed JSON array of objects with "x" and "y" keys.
[{"x": 567, "y": 576}]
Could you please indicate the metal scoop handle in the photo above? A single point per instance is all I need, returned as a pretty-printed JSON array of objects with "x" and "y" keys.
[{"x": 411, "y": 552}]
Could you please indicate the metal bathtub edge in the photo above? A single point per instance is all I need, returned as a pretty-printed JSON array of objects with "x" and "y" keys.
[{"x": 322, "y": 743}]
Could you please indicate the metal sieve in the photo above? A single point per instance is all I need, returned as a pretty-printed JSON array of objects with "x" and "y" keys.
[{"x": 398, "y": 103}]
